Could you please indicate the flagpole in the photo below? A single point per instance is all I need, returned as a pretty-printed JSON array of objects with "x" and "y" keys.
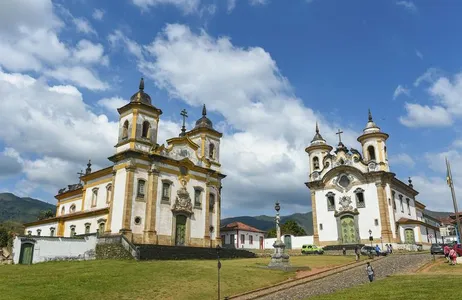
[{"x": 454, "y": 201}]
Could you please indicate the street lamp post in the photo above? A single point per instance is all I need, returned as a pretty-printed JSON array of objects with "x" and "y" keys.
[
  {"x": 219, "y": 267},
  {"x": 370, "y": 236}
]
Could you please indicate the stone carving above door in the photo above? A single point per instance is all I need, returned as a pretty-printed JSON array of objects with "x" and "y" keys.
[{"x": 183, "y": 202}]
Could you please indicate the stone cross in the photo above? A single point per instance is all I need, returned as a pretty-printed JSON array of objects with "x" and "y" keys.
[
  {"x": 339, "y": 132},
  {"x": 184, "y": 114},
  {"x": 81, "y": 173}
]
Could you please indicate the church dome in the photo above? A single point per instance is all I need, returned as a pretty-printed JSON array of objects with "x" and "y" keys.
[
  {"x": 318, "y": 139},
  {"x": 204, "y": 122},
  {"x": 141, "y": 96},
  {"x": 371, "y": 126}
]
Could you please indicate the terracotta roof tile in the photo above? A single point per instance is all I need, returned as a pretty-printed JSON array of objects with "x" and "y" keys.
[{"x": 239, "y": 226}]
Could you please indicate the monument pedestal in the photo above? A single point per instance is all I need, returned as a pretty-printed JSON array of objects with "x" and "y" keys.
[{"x": 279, "y": 259}]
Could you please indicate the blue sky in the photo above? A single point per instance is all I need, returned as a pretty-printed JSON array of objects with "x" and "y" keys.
[{"x": 267, "y": 70}]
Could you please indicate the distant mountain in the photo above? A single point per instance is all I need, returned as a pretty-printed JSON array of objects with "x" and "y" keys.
[
  {"x": 266, "y": 222},
  {"x": 20, "y": 209}
]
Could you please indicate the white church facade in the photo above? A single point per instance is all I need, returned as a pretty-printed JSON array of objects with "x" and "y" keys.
[
  {"x": 355, "y": 196},
  {"x": 153, "y": 194}
]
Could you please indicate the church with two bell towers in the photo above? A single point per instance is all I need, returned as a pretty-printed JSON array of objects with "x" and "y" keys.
[
  {"x": 167, "y": 194},
  {"x": 355, "y": 197}
]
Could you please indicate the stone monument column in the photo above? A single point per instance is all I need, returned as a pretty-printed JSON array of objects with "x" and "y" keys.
[{"x": 279, "y": 259}]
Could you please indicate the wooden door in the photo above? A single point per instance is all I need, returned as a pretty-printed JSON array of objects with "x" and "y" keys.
[
  {"x": 27, "y": 253},
  {"x": 180, "y": 230}
]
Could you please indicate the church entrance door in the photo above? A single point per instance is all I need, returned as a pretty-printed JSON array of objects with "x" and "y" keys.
[
  {"x": 180, "y": 230},
  {"x": 27, "y": 251},
  {"x": 348, "y": 229},
  {"x": 409, "y": 237}
]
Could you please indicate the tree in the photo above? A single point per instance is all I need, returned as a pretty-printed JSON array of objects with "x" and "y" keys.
[
  {"x": 45, "y": 214},
  {"x": 289, "y": 227},
  {"x": 3, "y": 237}
]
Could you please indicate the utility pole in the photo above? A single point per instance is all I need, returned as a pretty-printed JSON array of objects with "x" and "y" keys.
[{"x": 454, "y": 201}]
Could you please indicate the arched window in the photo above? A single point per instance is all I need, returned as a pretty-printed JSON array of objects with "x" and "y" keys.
[
  {"x": 108, "y": 193},
  {"x": 197, "y": 197},
  {"x": 94, "y": 197},
  {"x": 72, "y": 233},
  {"x": 146, "y": 129},
  {"x": 52, "y": 231},
  {"x": 125, "y": 130},
  {"x": 315, "y": 163},
  {"x": 72, "y": 209},
  {"x": 39, "y": 231},
  {"x": 87, "y": 228},
  {"x": 211, "y": 151},
  {"x": 63, "y": 210},
  {"x": 371, "y": 152},
  {"x": 102, "y": 225},
  {"x": 141, "y": 188}
]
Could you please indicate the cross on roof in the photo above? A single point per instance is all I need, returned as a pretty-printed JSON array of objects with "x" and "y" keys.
[
  {"x": 184, "y": 114},
  {"x": 339, "y": 132},
  {"x": 81, "y": 173}
]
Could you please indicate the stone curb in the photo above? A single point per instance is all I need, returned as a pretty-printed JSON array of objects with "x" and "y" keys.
[{"x": 257, "y": 293}]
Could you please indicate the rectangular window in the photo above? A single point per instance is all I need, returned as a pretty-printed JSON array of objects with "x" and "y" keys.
[
  {"x": 197, "y": 197},
  {"x": 408, "y": 206},
  {"x": 330, "y": 202},
  {"x": 232, "y": 240},
  {"x": 166, "y": 191},
  {"x": 376, "y": 221},
  {"x": 242, "y": 239},
  {"x": 141, "y": 188},
  {"x": 360, "y": 200},
  {"x": 401, "y": 203},
  {"x": 320, "y": 226},
  {"x": 223, "y": 239},
  {"x": 211, "y": 201},
  {"x": 250, "y": 239}
]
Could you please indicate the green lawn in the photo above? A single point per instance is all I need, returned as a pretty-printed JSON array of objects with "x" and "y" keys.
[{"x": 113, "y": 279}]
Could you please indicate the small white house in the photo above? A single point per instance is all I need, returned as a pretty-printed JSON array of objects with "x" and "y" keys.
[{"x": 240, "y": 235}]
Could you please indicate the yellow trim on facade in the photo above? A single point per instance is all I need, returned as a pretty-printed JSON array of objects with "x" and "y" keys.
[
  {"x": 76, "y": 198},
  {"x": 97, "y": 174},
  {"x": 98, "y": 182},
  {"x": 68, "y": 194}
]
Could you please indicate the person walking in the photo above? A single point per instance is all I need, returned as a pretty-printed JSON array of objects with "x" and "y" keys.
[
  {"x": 357, "y": 252},
  {"x": 453, "y": 256},
  {"x": 343, "y": 251},
  {"x": 446, "y": 252},
  {"x": 377, "y": 250},
  {"x": 370, "y": 272},
  {"x": 391, "y": 249}
]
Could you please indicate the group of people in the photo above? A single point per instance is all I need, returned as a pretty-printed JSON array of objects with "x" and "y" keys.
[{"x": 450, "y": 254}]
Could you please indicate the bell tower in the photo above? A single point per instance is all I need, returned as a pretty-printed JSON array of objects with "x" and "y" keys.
[
  {"x": 138, "y": 123},
  {"x": 317, "y": 150},
  {"x": 373, "y": 145}
]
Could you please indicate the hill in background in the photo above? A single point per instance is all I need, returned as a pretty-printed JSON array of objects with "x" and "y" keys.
[
  {"x": 21, "y": 210},
  {"x": 266, "y": 223}
]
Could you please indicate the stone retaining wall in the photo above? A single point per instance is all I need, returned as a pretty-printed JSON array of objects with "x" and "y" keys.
[
  {"x": 157, "y": 252},
  {"x": 112, "y": 251}
]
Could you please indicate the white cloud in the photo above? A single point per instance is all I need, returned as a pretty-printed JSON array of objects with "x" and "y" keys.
[
  {"x": 434, "y": 191},
  {"x": 78, "y": 75},
  {"x": 424, "y": 115},
  {"x": 83, "y": 26},
  {"x": 245, "y": 86},
  {"x": 87, "y": 52},
  {"x": 29, "y": 41},
  {"x": 429, "y": 76},
  {"x": 187, "y": 6},
  {"x": 98, "y": 14},
  {"x": 231, "y": 5},
  {"x": 419, "y": 54},
  {"x": 258, "y": 2},
  {"x": 112, "y": 104},
  {"x": 408, "y": 5},
  {"x": 400, "y": 90},
  {"x": 402, "y": 159},
  {"x": 119, "y": 39},
  {"x": 448, "y": 93},
  {"x": 57, "y": 127}
]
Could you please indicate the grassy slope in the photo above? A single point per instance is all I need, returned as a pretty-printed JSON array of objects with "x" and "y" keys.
[
  {"x": 21, "y": 209},
  {"x": 112, "y": 279}
]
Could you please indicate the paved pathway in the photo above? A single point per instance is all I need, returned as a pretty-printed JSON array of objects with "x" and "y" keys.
[{"x": 354, "y": 276}]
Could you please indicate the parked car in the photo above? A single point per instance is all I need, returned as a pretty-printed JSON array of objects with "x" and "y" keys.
[
  {"x": 437, "y": 249},
  {"x": 312, "y": 249},
  {"x": 368, "y": 250}
]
